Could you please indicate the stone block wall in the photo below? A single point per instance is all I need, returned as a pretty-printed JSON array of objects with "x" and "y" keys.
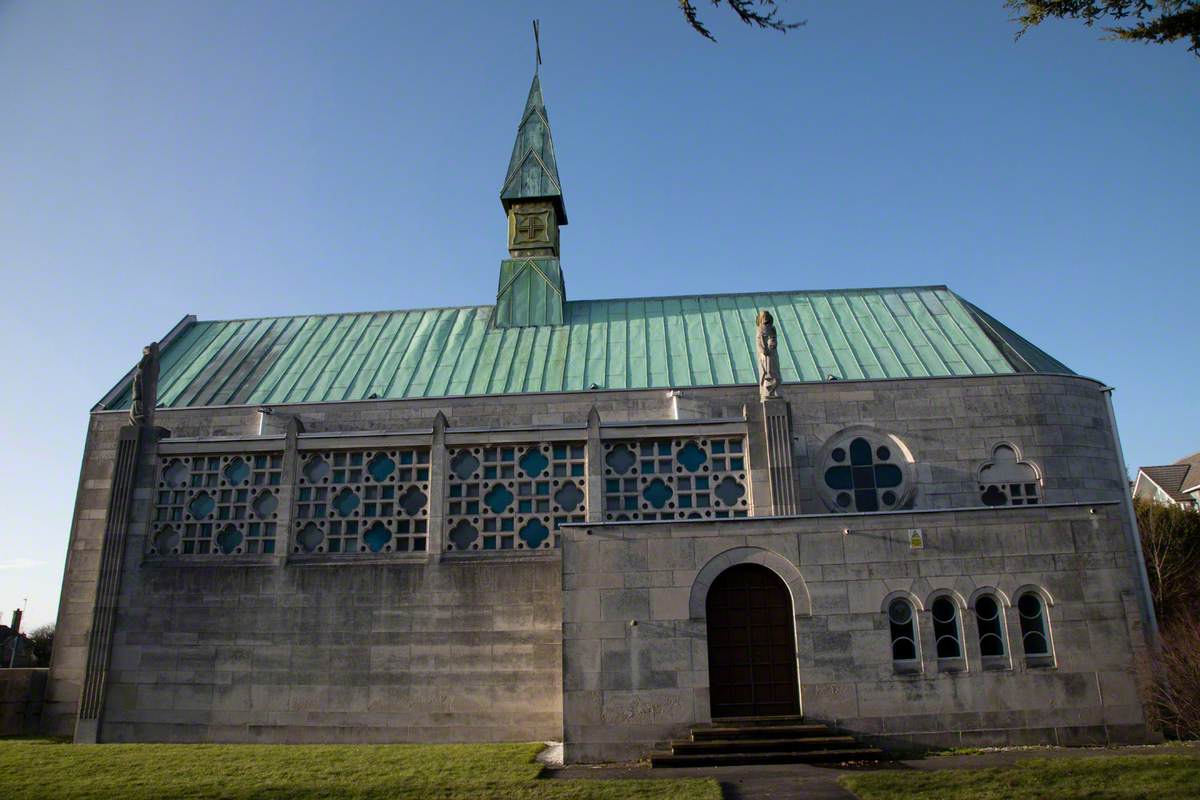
[
  {"x": 78, "y": 595},
  {"x": 1059, "y": 423},
  {"x": 635, "y": 648},
  {"x": 462, "y": 650},
  {"x": 81, "y": 574},
  {"x": 21, "y": 700}
]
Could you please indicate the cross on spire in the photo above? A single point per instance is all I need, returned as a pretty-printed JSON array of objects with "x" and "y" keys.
[{"x": 537, "y": 44}]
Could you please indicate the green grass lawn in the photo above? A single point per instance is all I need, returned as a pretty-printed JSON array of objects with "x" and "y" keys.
[
  {"x": 1094, "y": 777},
  {"x": 39, "y": 769}
]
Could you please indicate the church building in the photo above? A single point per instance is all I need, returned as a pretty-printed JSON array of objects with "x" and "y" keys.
[{"x": 607, "y": 522}]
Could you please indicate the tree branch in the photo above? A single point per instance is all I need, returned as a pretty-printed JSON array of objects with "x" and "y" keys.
[{"x": 747, "y": 11}]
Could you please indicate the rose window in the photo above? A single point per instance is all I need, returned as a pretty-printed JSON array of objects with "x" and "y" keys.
[{"x": 865, "y": 471}]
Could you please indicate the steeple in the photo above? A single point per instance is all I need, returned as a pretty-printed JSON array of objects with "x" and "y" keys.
[
  {"x": 531, "y": 289},
  {"x": 532, "y": 170}
]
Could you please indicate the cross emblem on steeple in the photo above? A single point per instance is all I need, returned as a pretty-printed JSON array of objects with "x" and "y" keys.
[{"x": 532, "y": 227}]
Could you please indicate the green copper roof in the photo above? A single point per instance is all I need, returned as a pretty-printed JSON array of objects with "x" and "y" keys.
[
  {"x": 700, "y": 340},
  {"x": 531, "y": 292},
  {"x": 532, "y": 170},
  {"x": 1022, "y": 353}
]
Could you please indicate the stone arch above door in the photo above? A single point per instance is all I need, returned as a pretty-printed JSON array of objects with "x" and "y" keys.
[{"x": 781, "y": 566}]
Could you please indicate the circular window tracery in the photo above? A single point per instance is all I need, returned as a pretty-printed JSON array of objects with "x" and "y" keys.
[{"x": 863, "y": 469}]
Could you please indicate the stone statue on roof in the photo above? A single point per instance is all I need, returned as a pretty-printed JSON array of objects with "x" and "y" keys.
[
  {"x": 768, "y": 356},
  {"x": 145, "y": 387}
]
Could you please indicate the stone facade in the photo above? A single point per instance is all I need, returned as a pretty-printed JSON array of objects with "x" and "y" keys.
[
  {"x": 536, "y": 644},
  {"x": 636, "y": 662}
]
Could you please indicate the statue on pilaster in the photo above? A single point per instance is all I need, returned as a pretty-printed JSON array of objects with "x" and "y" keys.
[
  {"x": 145, "y": 387},
  {"x": 768, "y": 356}
]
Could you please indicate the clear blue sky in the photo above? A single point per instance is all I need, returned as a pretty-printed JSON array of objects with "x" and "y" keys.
[{"x": 243, "y": 158}]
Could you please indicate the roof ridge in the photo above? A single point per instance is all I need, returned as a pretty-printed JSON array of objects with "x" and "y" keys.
[
  {"x": 350, "y": 313},
  {"x": 477, "y": 306},
  {"x": 852, "y": 290}
]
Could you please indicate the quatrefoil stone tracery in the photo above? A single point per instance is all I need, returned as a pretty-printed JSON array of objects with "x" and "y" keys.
[
  {"x": 513, "y": 496},
  {"x": 216, "y": 504}
]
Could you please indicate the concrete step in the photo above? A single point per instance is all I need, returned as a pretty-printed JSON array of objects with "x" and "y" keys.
[
  {"x": 764, "y": 731},
  {"x": 763, "y": 745},
  {"x": 733, "y": 759},
  {"x": 778, "y": 719}
]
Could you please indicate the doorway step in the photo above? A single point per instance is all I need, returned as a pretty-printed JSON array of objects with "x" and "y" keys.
[{"x": 762, "y": 740}]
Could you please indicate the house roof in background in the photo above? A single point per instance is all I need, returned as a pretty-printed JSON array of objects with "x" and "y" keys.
[
  {"x": 636, "y": 343},
  {"x": 1191, "y": 481},
  {"x": 1173, "y": 478}
]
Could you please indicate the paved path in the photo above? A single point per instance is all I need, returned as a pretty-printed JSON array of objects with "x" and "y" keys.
[{"x": 813, "y": 782}]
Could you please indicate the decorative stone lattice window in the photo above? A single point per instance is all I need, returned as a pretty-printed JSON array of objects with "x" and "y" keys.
[
  {"x": 216, "y": 504},
  {"x": 1035, "y": 633},
  {"x": 363, "y": 501},
  {"x": 701, "y": 478},
  {"x": 865, "y": 470},
  {"x": 989, "y": 617},
  {"x": 902, "y": 622},
  {"x": 1006, "y": 480},
  {"x": 513, "y": 497}
]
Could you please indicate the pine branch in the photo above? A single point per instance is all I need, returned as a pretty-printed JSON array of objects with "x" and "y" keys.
[
  {"x": 1157, "y": 21},
  {"x": 748, "y": 12}
]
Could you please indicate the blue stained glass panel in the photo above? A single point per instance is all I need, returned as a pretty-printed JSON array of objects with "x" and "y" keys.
[
  {"x": 345, "y": 502},
  {"x": 380, "y": 467},
  {"x": 691, "y": 457},
  {"x": 237, "y": 471},
  {"x": 839, "y": 478},
  {"x": 498, "y": 498},
  {"x": 534, "y": 533},
  {"x": 377, "y": 537},
  {"x": 534, "y": 463},
  {"x": 860, "y": 452},
  {"x": 657, "y": 493},
  {"x": 888, "y": 476}
]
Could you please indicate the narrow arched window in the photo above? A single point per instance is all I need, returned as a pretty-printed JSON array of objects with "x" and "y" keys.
[
  {"x": 990, "y": 621},
  {"x": 1035, "y": 633},
  {"x": 947, "y": 637},
  {"x": 903, "y": 623}
]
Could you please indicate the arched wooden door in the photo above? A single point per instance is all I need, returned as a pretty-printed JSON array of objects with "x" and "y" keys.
[{"x": 751, "y": 644}]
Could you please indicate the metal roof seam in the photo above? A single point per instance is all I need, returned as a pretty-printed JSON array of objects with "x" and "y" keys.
[
  {"x": 324, "y": 332},
  {"x": 922, "y": 329},
  {"x": 295, "y": 346},
  {"x": 349, "y": 361},
  {"x": 266, "y": 325},
  {"x": 421, "y": 335},
  {"x": 333, "y": 349},
  {"x": 786, "y": 333},
  {"x": 388, "y": 336},
  {"x": 263, "y": 361},
  {"x": 965, "y": 334},
  {"x": 212, "y": 364},
  {"x": 742, "y": 340},
  {"x": 460, "y": 329},
  {"x": 195, "y": 349},
  {"x": 916, "y": 354}
]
